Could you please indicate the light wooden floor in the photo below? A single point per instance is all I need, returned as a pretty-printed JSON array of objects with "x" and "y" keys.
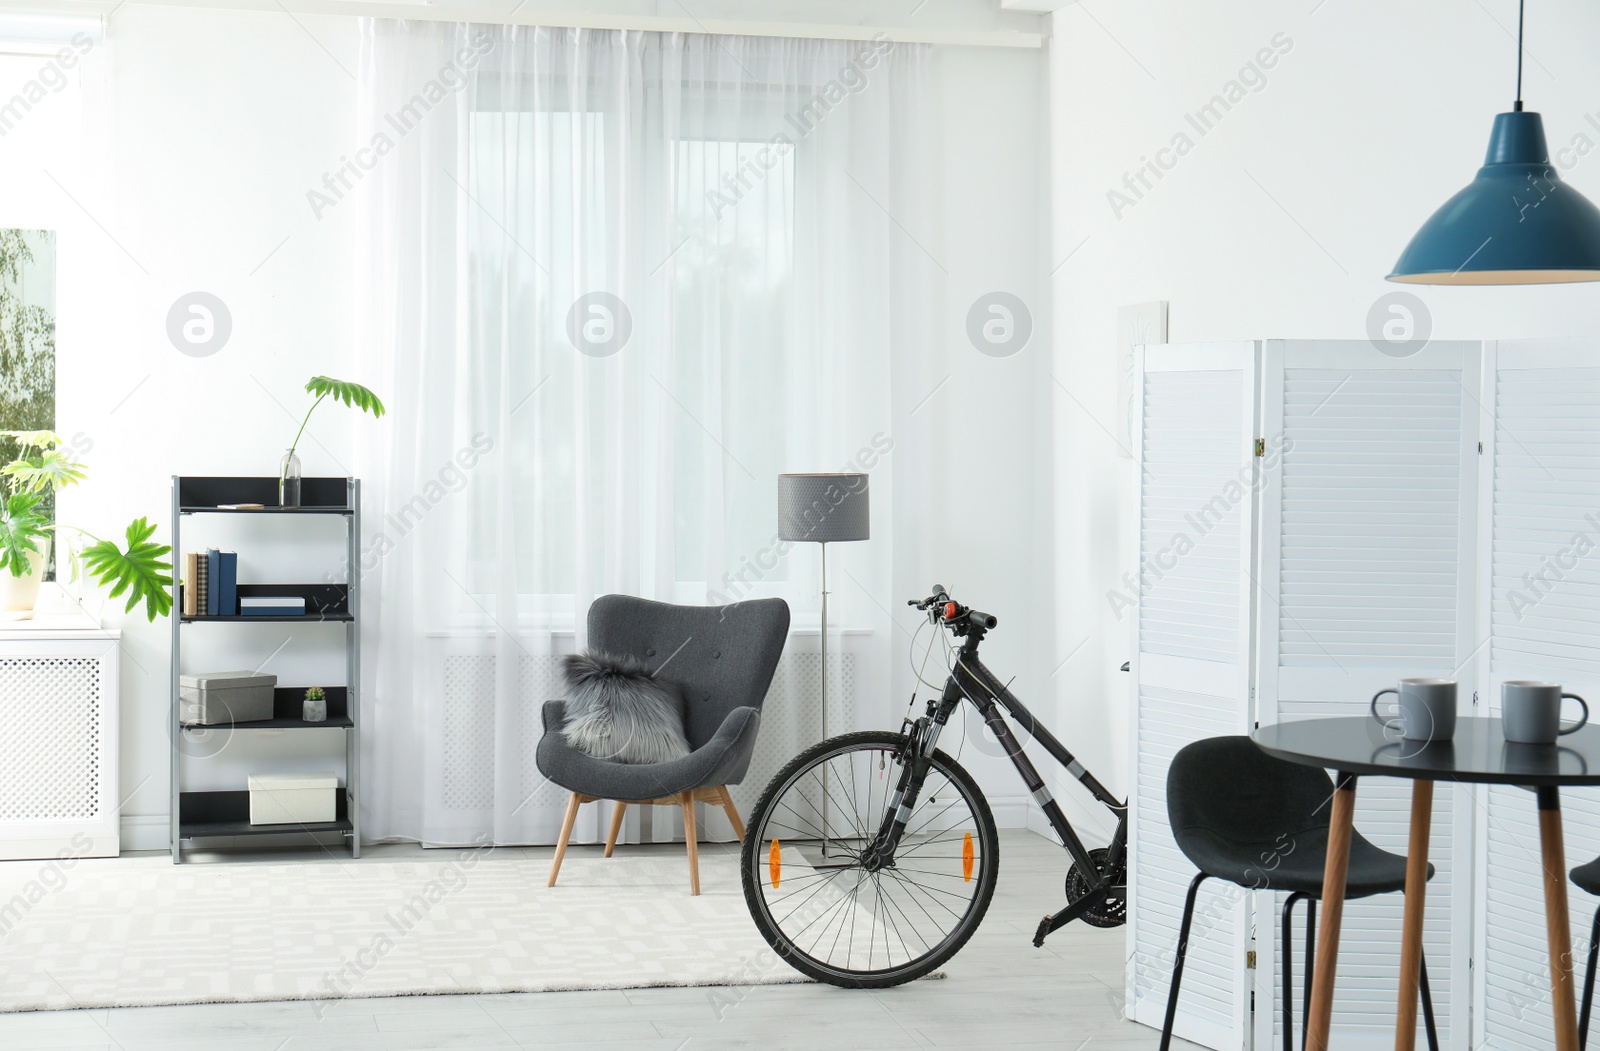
[{"x": 1001, "y": 993}]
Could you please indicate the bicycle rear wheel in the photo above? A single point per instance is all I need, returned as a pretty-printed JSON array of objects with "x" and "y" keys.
[{"x": 825, "y": 907}]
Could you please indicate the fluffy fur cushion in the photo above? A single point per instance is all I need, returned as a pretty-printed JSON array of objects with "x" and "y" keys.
[{"x": 617, "y": 710}]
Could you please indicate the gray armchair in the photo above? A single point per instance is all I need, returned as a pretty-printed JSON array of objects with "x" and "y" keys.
[{"x": 723, "y": 657}]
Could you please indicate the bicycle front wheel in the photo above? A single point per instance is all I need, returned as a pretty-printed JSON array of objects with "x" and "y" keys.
[{"x": 830, "y": 909}]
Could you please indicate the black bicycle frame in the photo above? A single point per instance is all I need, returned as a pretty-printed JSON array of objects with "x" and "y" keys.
[{"x": 972, "y": 681}]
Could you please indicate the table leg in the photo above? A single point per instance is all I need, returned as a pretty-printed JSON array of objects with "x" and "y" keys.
[
  {"x": 1405, "y": 1030},
  {"x": 1320, "y": 1010},
  {"x": 1556, "y": 921}
]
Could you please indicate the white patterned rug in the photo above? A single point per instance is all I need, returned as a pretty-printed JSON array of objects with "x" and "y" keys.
[{"x": 141, "y": 931}]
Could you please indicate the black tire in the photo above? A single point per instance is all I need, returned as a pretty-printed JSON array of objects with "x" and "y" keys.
[
  {"x": 909, "y": 891},
  {"x": 1109, "y": 913}
]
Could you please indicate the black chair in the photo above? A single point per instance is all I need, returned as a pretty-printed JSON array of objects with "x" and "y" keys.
[
  {"x": 1587, "y": 877},
  {"x": 1244, "y": 817}
]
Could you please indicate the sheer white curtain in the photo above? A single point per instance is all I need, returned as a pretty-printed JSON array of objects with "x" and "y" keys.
[{"x": 616, "y": 283}]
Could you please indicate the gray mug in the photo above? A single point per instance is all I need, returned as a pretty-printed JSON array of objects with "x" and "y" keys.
[
  {"x": 1427, "y": 709},
  {"x": 1531, "y": 711}
]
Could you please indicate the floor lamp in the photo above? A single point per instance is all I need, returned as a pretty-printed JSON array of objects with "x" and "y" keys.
[{"x": 823, "y": 509}]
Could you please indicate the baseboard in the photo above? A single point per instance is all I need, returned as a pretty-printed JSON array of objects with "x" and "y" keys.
[
  {"x": 1012, "y": 811},
  {"x": 146, "y": 832},
  {"x": 1093, "y": 823},
  {"x": 151, "y": 831},
  {"x": 52, "y": 849}
]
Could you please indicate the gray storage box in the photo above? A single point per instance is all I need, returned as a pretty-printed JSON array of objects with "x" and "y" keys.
[{"x": 225, "y": 697}]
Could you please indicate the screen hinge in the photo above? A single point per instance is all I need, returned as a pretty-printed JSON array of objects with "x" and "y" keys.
[
  {"x": 1250, "y": 960},
  {"x": 1261, "y": 447}
]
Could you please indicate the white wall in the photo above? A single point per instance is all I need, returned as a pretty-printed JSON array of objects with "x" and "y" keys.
[
  {"x": 991, "y": 544},
  {"x": 206, "y": 128},
  {"x": 211, "y": 127},
  {"x": 1279, "y": 222}
]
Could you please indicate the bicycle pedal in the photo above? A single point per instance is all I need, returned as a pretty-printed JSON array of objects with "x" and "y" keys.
[{"x": 1042, "y": 933}]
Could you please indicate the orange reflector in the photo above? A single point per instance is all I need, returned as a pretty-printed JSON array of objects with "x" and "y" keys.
[
  {"x": 966, "y": 858},
  {"x": 774, "y": 864}
]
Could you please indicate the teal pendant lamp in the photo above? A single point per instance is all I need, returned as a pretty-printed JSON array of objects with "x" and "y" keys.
[{"x": 1517, "y": 223}]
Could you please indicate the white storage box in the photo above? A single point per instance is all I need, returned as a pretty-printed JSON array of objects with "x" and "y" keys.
[{"x": 293, "y": 799}]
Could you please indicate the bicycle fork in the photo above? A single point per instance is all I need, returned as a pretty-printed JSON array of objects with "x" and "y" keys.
[{"x": 922, "y": 738}]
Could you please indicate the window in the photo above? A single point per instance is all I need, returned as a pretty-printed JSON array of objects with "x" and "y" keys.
[
  {"x": 28, "y": 343},
  {"x": 709, "y": 269},
  {"x": 733, "y": 238},
  {"x": 27, "y": 330},
  {"x": 41, "y": 103},
  {"x": 539, "y": 190}
]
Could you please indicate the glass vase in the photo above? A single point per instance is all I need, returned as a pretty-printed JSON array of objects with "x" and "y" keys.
[{"x": 289, "y": 480}]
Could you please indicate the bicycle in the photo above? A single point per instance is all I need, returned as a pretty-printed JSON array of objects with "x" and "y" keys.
[{"x": 913, "y": 872}]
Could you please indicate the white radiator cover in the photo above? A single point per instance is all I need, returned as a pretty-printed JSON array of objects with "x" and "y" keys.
[{"x": 59, "y": 745}]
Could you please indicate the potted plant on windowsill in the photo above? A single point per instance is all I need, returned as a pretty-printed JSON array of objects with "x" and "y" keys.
[{"x": 28, "y": 484}]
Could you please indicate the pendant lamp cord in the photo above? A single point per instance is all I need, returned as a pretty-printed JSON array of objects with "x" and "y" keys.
[{"x": 1520, "y": 5}]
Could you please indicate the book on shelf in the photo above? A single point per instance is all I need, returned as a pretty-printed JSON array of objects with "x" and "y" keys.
[
  {"x": 222, "y": 594},
  {"x": 191, "y": 583},
  {"x": 228, "y": 599},
  {"x": 272, "y": 606},
  {"x": 202, "y": 588}
]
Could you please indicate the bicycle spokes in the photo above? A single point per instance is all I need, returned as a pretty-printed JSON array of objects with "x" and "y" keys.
[{"x": 837, "y": 894}]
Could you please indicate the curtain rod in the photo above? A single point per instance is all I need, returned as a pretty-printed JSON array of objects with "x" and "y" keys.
[{"x": 423, "y": 11}]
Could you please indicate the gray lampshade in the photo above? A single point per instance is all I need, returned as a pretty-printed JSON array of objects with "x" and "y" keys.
[{"x": 822, "y": 508}]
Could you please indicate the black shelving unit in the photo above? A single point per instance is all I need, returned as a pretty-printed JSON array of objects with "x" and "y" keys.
[
  {"x": 323, "y": 601},
  {"x": 210, "y": 815},
  {"x": 214, "y": 815}
]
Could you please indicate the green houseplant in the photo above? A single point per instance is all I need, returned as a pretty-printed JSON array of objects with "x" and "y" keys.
[
  {"x": 315, "y": 707},
  {"x": 28, "y": 484},
  {"x": 324, "y": 387}
]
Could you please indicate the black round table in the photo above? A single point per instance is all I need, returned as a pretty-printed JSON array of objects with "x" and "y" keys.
[{"x": 1359, "y": 746}]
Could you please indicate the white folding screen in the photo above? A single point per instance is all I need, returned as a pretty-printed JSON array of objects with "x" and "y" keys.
[
  {"x": 1366, "y": 574},
  {"x": 1540, "y": 607},
  {"x": 1195, "y": 497},
  {"x": 1326, "y": 498}
]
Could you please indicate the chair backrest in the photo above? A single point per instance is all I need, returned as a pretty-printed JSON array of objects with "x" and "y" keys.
[
  {"x": 722, "y": 656},
  {"x": 1228, "y": 787}
]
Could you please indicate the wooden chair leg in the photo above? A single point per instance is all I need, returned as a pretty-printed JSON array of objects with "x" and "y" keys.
[
  {"x": 691, "y": 839},
  {"x": 616, "y": 826},
  {"x": 566, "y": 833},
  {"x": 733, "y": 811}
]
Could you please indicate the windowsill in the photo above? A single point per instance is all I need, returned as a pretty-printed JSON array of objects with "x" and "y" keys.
[{"x": 56, "y": 615}]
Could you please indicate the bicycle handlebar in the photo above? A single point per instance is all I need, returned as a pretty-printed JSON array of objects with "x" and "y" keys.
[{"x": 954, "y": 614}]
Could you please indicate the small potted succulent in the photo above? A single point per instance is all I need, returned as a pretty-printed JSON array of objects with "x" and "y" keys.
[
  {"x": 43, "y": 464},
  {"x": 315, "y": 709}
]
